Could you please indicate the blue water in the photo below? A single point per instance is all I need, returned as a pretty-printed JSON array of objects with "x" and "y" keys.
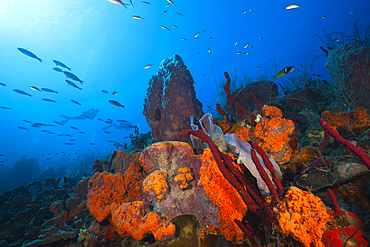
[{"x": 108, "y": 50}]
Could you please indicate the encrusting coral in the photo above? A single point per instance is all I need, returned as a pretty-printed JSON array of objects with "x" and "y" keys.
[
  {"x": 302, "y": 216},
  {"x": 155, "y": 184},
  {"x": 134, "y": 219},
  {"x": 224, "y": 195}
]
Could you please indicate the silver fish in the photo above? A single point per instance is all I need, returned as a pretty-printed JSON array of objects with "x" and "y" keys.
[
  {"x": 57, "y": 69},
  {"x": 48, "y": 90},
  {"x": 28, "y": 53},
  {"x": 58, "y": 63},
  {"x": 72, "y": 76},
  {"x": 118, "y": 2},
  {"x": 22, "y": 92},
  {"x": 113, "y": 102},
  {"x": 72, "y": 84},
  {"x": 74, "y": 101},
  {"x": 35, "y": 88},
  {"x": 49, "y": 100}
]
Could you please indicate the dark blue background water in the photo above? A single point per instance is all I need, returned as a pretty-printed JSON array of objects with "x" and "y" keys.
[{"x": 108, "y": 49}]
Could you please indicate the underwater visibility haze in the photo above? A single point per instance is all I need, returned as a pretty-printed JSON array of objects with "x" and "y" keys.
[{"x": 76, "y": 79}]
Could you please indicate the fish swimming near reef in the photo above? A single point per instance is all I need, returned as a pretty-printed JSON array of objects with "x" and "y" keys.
[
  {"x": 75, "y": 102},
  {"x": 22, "y": 128},
  {"x": 118, "y": 2},
  {"x": 29, "y": 54},
  {"x": 284, "y": 71},
  {"x": 22, "y": 92},
  {"x": 104, "y": 91},
  {"x": 57, "y": 69},
  {"x": 5, "y": 108},
  {"x": 72, "y": 84},
  {"x": 90, "y": 114},
  {"x": 49, "y": 100},
  {"x": 58, "y": 63},
  {"x": 35, "y": 88},
  {"x": 113, "y": 102},
  {"x": 2, "y": 84},
  {"x": 72, "y": 76},
  {"x": 48, "y": 90}
]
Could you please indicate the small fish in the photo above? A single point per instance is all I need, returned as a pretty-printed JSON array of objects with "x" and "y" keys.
[
  {"x": 165, "y": 12},
  {"x": 136, "y": 17},
  {"x": 110, "y": 141},
  {"x": 5, "y": 108},
  {"x": 260, "y": 37},
  {"x": 122, "y": 121},
  {"x": 49, "y": 100},
  {"x": 72, "y": 76},
  {"x": 209, "y": 50},
  {"x": 250, "y": 46},
  {"x": 57, "y": 69},
  {"x": 48, "y": 90},
  {"x": 34, "y": 88},
  {"x": 74, "y": 101},
  {"x": 353, "y": 12},
  {"x": 196, "y": 35},
  {"x": 165, "y": 28},
  {"x": 246, "y": 45},
  {"x": 91, "y": 143},
  {"x": 73, "y": 85},
  {"x": 58, "y": 63},
  {"x": 236, "y": 42},
  {"x": 22, "y": 128},
  {"x": 239, "y": 52},
  {"x": 284, "y": 71},
  {"x": 258, "y": 67},
  {"x": 100, "y": 119},
  {"x": 113, "y": 102},
  {"x": 210, "y": 38},
  {"x": 244, "y": 11},
  {"x": 2, "y": 84},
  {"x": 143, "y": 2},
  {"x": 107, "y": 132},
  {"x": 72, "y": 140},
  {"x": 114, "y": 93},
  {"x": 69, "y": 143},
  {"x": 81, "y": 132},
  {"x": 148, "y": 66},
  {"x": 244, "y": 53},
  {"x": 26, "y": 121},
  {"x": 28, "y": 53},
  {"x": 179, "y": 14},
  {"x": 51, "y": 133},
  {"x": 73, "y": 127},
  {"x": 168, "y": 5},
  {"x": 22, "y": 92},
  {"x": 335, "y": 40},
  {"x": 118, "y": 2},
  {"x": 183, "y": 39},
  {"x": 324, "y": 16},
  {"x": 38, "y": 124},
  {"x": 250, "y": 10},
  {"x": 174, "y": 26},
  {"x": 293, "y": 6},
  {"x": 171, "y": 2},
  {"x": 104, "y": 91},
  {"x": 234, "y": 69},
  {"x": 56, "y": 122},
  {"x": 44, "y": 130}
]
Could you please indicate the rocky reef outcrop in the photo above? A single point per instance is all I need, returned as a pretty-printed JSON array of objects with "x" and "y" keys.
[{"x": 170, "y": 101}]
